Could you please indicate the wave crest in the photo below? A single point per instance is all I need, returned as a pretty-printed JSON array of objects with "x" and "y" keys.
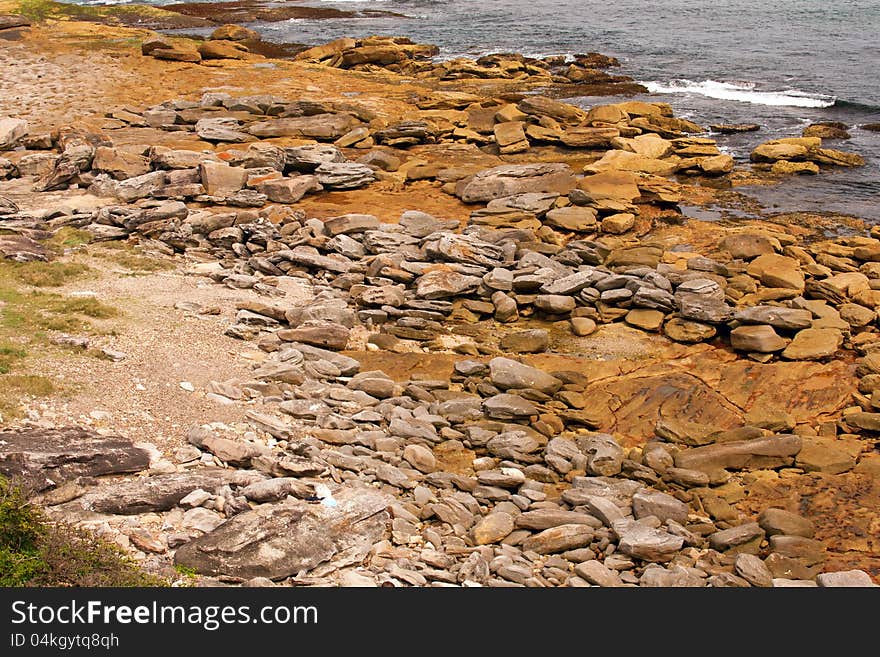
[{"x": 741, "y": 92}]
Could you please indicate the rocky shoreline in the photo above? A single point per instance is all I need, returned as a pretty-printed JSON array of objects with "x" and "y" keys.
[{"x": 518, "y": 363}]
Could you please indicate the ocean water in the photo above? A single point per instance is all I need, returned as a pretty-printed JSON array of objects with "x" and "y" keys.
[{"x": 781, "y": 64}]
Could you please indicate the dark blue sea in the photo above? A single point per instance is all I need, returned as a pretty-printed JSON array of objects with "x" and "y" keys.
[{"x": 783, "y": 64}]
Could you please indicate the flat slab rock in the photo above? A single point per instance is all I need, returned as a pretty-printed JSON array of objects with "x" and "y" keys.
[
  {"x": 280, "y": 540},
  {"x": 43, "y": 458},
  {"x": 161, "y": 492}
]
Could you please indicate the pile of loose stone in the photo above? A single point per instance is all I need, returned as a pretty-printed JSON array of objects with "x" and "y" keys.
[
  {"x": 349, "y": 487},
  {"x": 494, "y": 475}
]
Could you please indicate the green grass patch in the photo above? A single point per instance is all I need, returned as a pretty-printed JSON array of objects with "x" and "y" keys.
[
  {"x": 37, "y": 552},
  {"x": 27, "y": 314},
  {"x": 88, "y": 306},
  {"x": 39, "y": 10},
  {"x": 125, "y": 255},
  {"x": 67, "y": 237},
  {"x": 15, "y": 387},
  {"x": 42, "y": 274},
  {"x": 9, "y": 354}
]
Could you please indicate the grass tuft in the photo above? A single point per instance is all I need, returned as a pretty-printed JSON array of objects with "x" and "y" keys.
[{"x": 37, "y": 552}]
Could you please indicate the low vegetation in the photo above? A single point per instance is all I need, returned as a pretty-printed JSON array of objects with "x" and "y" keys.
[
  {"x": 35, "y": 551},
  {"x": 129, "y": 257},
  {"x": 28, "y": 313}
]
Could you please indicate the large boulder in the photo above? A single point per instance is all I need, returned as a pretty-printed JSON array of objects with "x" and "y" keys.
[
  {"x": 615, "y": 185},
  {"x": 769, "y": 452},
  {"x": 223, "y": 50},
  {"x": 615, "y": 160},
  {"x": 506, "y": 374},
  {"x": 119, "y": 164},
  {"x": 512, "y": 179},
  {"x": 160, "y": 492},
  {"x": 280, "y": 540},
  {"x": 11, "y": 132},
  {"x": 223, "y": 128},
  {"x": 233, "y": 32},
  {"x": 555, "y": 109},
  {"x": 323, "y": 127},
  {"x": 43, "y": 458}
]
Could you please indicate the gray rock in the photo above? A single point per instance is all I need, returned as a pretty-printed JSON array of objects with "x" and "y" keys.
[
  {"x": 376, "y": 384},
  {"x": 499, "y": 279},
  {"x": 506, "y": 310},
  {"x": 653, "y": 299},
  {"x": 224, "y": 128},
  {"x": 727, "y": 580},
  {"x": 322, "y": 127},
  {"x": 603, "y": 509},
  {"x": 351, "y": 223},
  {"x": 132, "y": 189},
  {"x": 506, "y": 373},
  {"x": 753, "y": 570},
  {"x": 443, "y": 284},
  {"x": 503, "y": 478},
  {"x": 646, "y": 543},
  {"x": 203, "y": 520},
  {"x": 598, "y": 574},
  {"x": 11, "y": 132},
  {"x": 769, "y": 452},
  {"x": 318, "y": 333},
  {"x": 845, "y": 578},
  {"x": 470, "y": 250},
  {"x": 233, "y": 452},
  {"x": 389, "y": 240},
  {"x": 283, "y": 372},
  {"x": 702, "y": 300},
  {"x": 572, "y": 284},
  {"x": 344, "y": 175},
  {"x": 516, "y": 446},
  {"x": 654, "y": 503},
  {"x": 276, "y": 489},
  {"x": 541, "y": 519},
  {"x": 289, "y": 190},
  {"x": 604, "y": 455},
  {"x": 413, "y": 429},
  {"x": 308, "y": 256},
  {"x": 512, "y": 179},
  {"x": 776, "y": 316},
  {"x": 508, "y": 407},
  {"x": 154, "y": 493},
  {"x": 555, "y": 304},
  {"x": 779, "y": 521},
  {"x": 672, "y": 577},
  {"x": 332, "y": 310},
  {"x": 293, "y": 537},
  {"x": 420, "y": 224},
  {"x": 782, "y": 582},
  {"x": 309, "y": 157},
  {"x": 44, "y": 458},
  {"x": 735, "y": 537},
  {"x": 421, "y": 458}
]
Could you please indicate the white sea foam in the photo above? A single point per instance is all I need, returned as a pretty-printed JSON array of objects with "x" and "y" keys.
[{"x": 741, "y": 92}]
